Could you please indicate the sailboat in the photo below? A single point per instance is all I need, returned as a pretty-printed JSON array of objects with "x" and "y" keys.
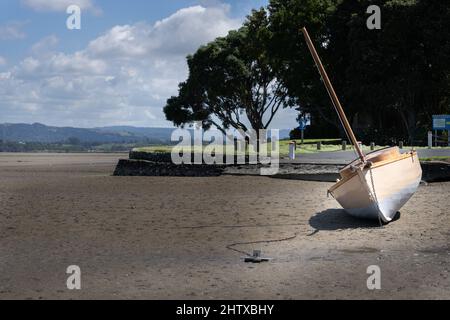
[{"x": 375, "y": 185}]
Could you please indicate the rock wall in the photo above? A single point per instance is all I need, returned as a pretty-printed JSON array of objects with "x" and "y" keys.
[
  {"x": 132, "y": 167},
  {"x": 150, "y": 156},
  {"x": 160, "y": 164},
  {"x": 435, "y": 171},
  {"x": 167, "y": 158}
]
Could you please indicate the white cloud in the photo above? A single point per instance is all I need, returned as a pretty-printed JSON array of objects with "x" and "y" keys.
[
  {"x": 45, "y": 45},
  {"x": 122, "y": 41},
  {"x": 2, "y": 61},
  {"x": 12, "y": 30},
  {"x": 60, "y": 5},
  {"x": 186, "y": 28},
  {"x": 122, "y": 77},
  {"x": 180, "y": 33}
]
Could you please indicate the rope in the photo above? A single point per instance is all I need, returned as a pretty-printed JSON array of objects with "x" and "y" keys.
[
  {"x": 230, "y": 246},
  {"x": 240, "y": 226}
]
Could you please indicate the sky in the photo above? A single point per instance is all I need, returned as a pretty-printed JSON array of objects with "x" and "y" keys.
[{"x": 118, "y": 69}]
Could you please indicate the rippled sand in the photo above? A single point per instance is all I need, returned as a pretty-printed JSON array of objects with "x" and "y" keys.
[{"x": 167, "y": 238}]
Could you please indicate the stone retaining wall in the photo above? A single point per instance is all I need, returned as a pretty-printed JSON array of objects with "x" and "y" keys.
[
  {"x": 131, "y": 167},
  {"x": 433, "y": 171},
  {"x": 166, "y": 157},
  {"x": 150, "y": 156}
]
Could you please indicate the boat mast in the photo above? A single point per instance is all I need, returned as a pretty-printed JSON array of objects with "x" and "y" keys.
[{"x": 333, "y": 96}]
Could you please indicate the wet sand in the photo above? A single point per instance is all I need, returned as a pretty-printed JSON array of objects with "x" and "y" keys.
[{"x": 167, "y": 237}]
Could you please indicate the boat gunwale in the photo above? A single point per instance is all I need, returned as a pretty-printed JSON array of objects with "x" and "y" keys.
[
  {"x": 402, "y": 156},
  {"x": 371, "y": 153}
]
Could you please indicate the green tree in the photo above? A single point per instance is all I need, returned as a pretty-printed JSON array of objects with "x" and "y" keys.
[
  {"x": 390, "y": 81},
  {"x": 231, "y": 82},
  {"x": 398, "y": 75},
  {"x": 292, "y": 60}
]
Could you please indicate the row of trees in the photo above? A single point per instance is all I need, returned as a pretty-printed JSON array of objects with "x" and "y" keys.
[{"x": 390, "y": 81}]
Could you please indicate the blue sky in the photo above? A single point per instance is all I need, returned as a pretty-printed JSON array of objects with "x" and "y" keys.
[
  {"x": 122, "y": 65},
  {"x": 38, "y": 23}
]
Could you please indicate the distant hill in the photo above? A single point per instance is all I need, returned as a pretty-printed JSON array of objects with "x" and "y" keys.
[
  {"x": 37, "y": 132},
  {"x": 47, "y": 134},
  {"x": 160, "y": 134}
]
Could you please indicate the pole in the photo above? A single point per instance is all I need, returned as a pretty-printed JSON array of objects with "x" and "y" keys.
[
  {"x": 292, "y": 150},
  {"x": 333, "y": 96},
  {"x": 430, "y": 139},
  {"x": 435, "y": 138}
]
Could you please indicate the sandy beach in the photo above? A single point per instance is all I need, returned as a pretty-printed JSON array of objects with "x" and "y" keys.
[{"x": 167, "y": 237}]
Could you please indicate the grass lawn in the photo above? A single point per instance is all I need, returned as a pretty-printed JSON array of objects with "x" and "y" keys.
[
  {"x": 309, "y": 146},
  {"x": 436, "y": 158}
]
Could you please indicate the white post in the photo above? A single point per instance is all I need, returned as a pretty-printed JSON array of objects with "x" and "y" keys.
[
  {"x": 430, "y": 139},
  {"x": 435, "y": 138},
  {"x": 292, "y": 150}
]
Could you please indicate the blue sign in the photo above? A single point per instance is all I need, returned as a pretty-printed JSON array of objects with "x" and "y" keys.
[
  {"x": 304, "y": 121},
  {"x": 441, "y": 122}
]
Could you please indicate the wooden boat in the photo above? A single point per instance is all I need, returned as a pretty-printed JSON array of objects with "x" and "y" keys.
[
  {"x": 375, "y": 185},
  {"x": 379, "y": 187}
]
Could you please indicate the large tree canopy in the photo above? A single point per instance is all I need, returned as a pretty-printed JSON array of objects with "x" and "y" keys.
[
  {"x": 292, "y": 59},
  {"x": 231, "y": 82},
  {"x": 390, "y": 81}
]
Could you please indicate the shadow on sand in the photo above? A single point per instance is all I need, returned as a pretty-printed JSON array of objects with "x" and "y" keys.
[
  {"x": 338, "y": 219},
  {"x": 321, "y": 177}
]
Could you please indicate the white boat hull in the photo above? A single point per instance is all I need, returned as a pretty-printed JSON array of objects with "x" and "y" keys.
[{"x": 380, "y": 191}]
